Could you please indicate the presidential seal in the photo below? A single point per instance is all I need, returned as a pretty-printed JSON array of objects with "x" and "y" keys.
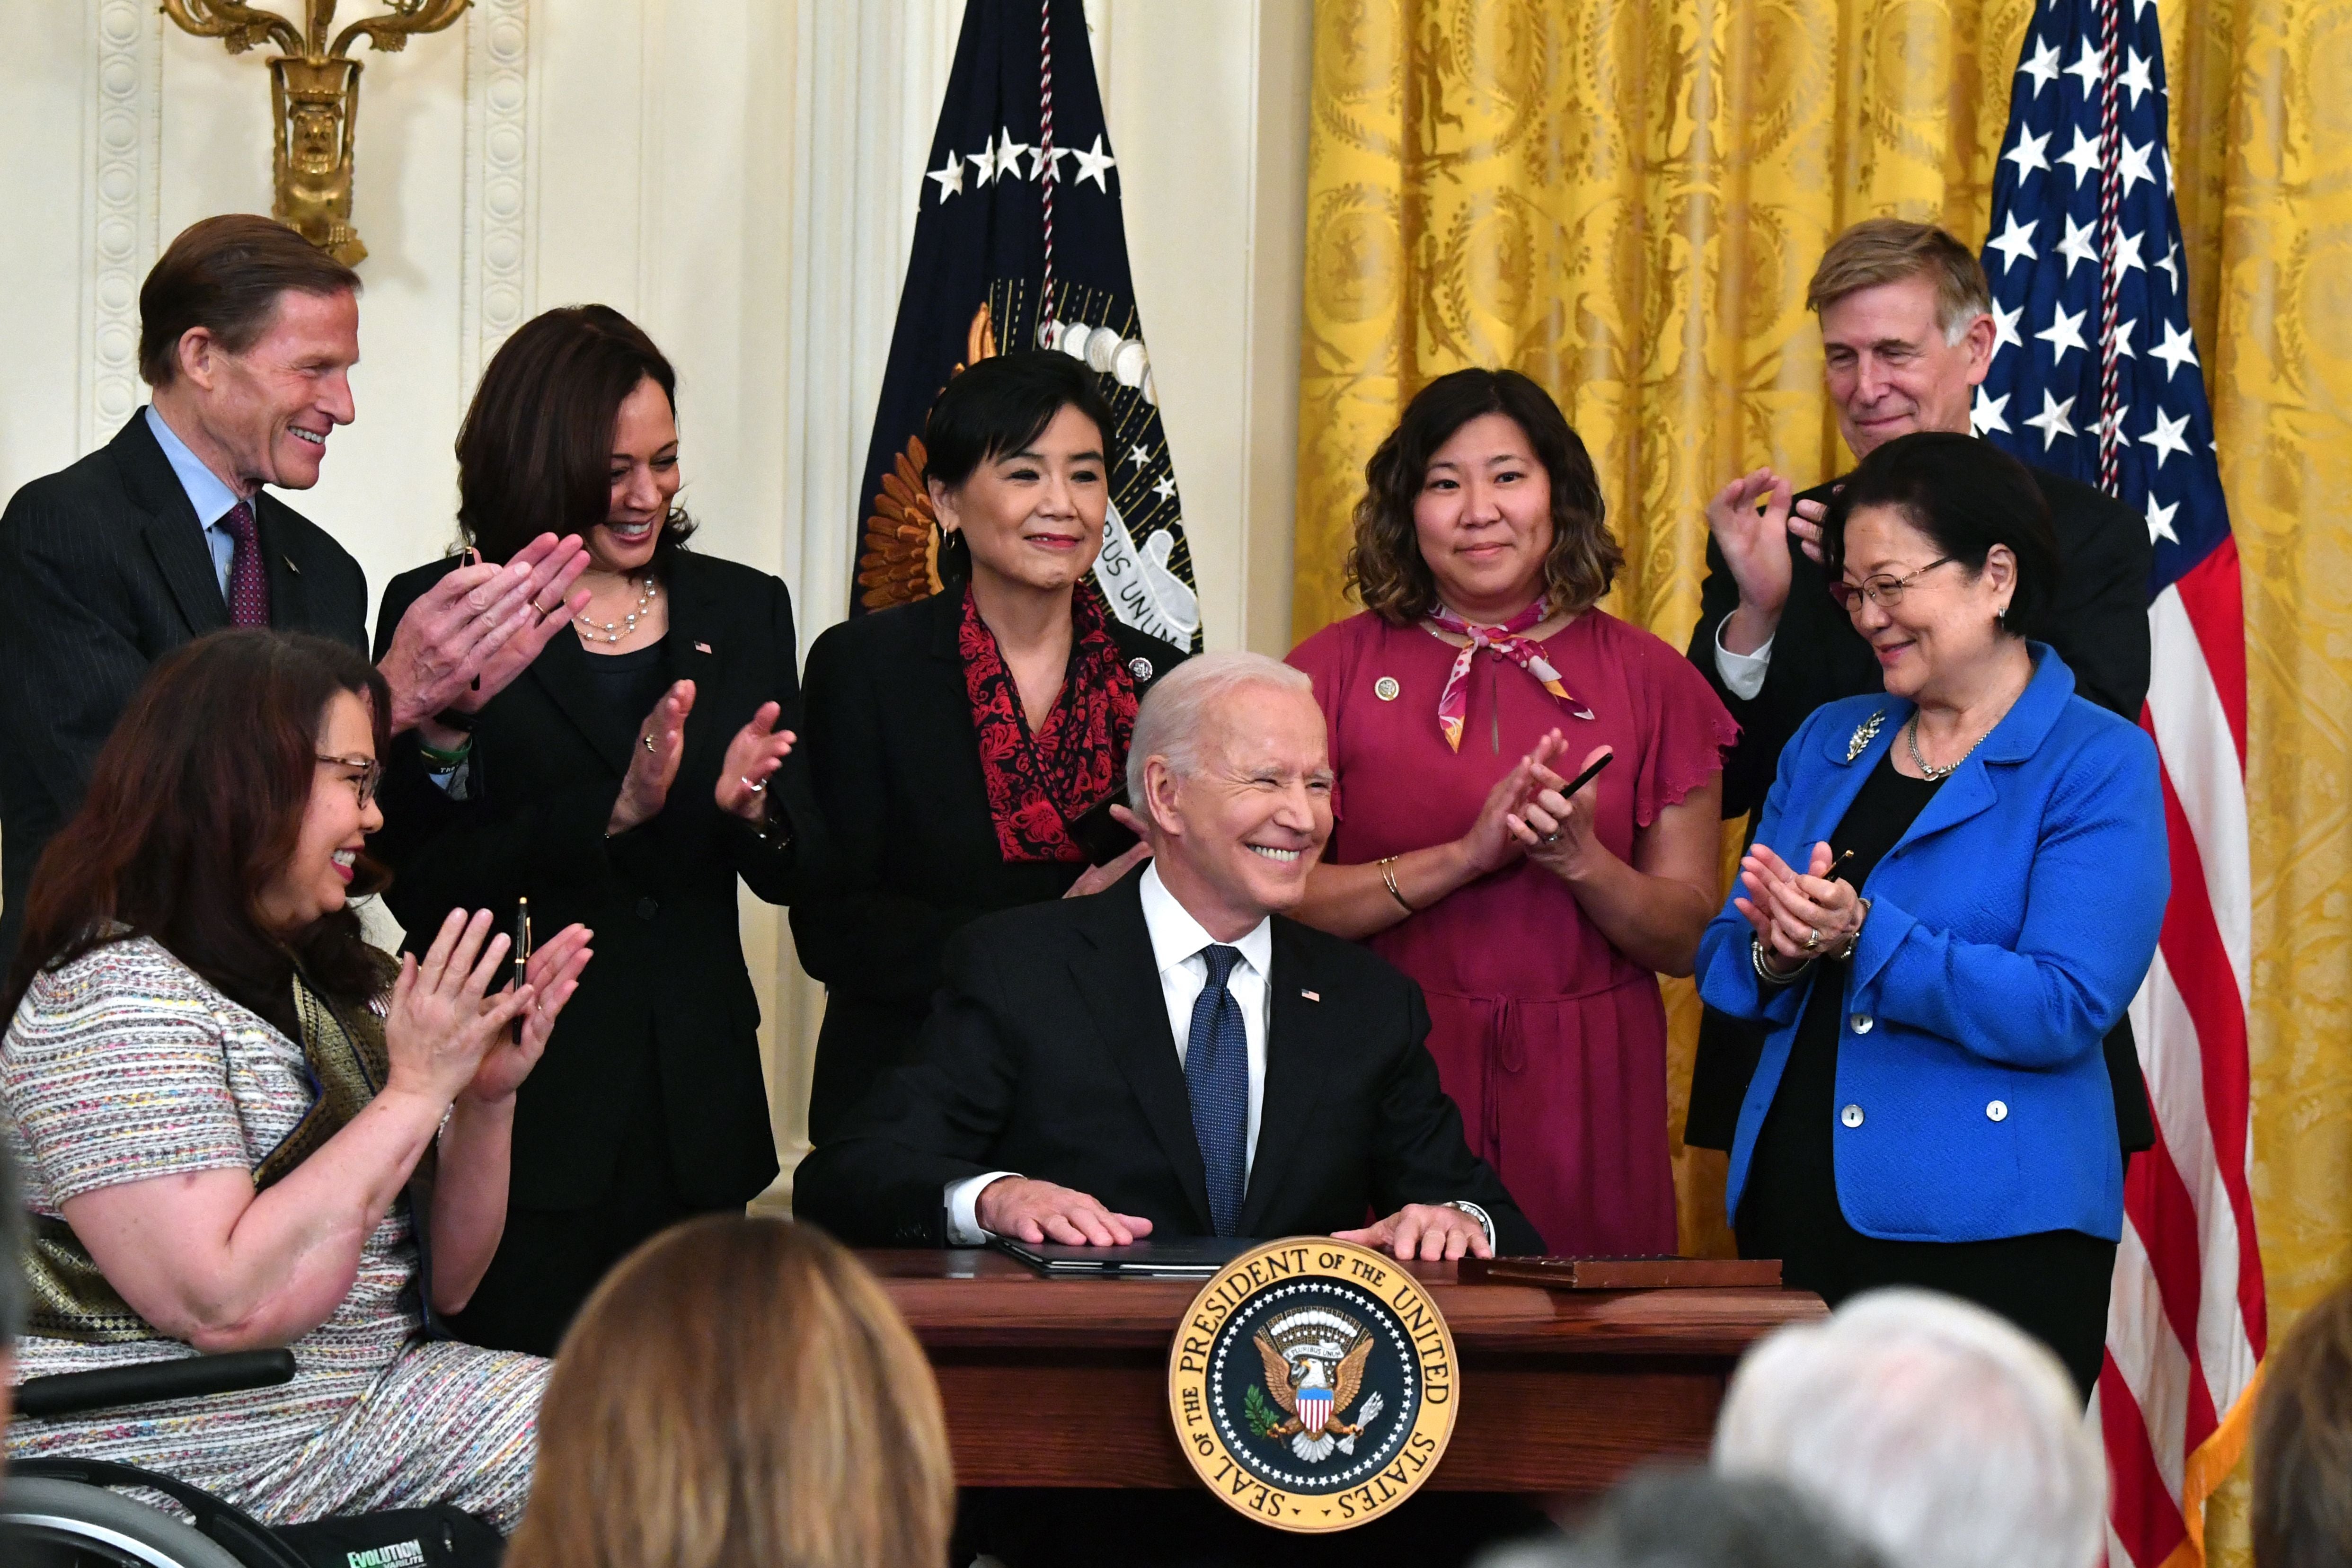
[{"x": 1312, "y": 1385}]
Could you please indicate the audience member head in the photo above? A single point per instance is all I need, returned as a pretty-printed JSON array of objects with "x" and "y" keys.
[
  {"x": 1690, "y": 1518},
  {"x": 574, "y": 430},
  {"x": 1229, "y": 768},
  {"x": 1940, "y": 1434},
  {"x": 226, "y": 818},
  {"x": 1013, "y": 461},
  {"x": 1939, "y": 546},
  {"x": 739, "y": 1393},
  {"x": 247, "y": 333},
  {"x": 1906, "y": 329},
  {"x": 2302, "y": 1443},
  {"x": 1484, "y": 499}
]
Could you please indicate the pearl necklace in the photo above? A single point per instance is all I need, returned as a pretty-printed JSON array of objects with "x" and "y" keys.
[{"x": 622, "y": 631}]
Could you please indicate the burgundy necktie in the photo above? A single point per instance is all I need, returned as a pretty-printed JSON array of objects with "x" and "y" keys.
[{"x": 248, "y": 587}]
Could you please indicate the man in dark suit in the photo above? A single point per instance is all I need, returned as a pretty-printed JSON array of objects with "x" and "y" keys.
[
  {"x": 246, "y": 335},
  {"x": 1907, "y": 334},
  {"x": 1172, "y": 1056}
]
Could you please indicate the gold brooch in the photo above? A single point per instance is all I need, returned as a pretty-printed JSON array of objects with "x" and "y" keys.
[
  {"x": 1386, "y": 689},
  {"x": 1863, "y": 733}
]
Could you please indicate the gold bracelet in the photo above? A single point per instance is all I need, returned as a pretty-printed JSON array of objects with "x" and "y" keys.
[{"x": 1388, "y": 879}]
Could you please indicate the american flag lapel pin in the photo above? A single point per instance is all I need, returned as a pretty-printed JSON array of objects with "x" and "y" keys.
[
  {"x": 702, "y": 648},
  {"x": 1312, "y": 995}
]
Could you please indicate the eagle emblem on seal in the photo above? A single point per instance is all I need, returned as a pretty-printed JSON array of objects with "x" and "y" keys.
[{"x": 1313, "y": 1368}]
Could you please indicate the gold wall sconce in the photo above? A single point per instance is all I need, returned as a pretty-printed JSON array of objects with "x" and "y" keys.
[{"x": 314, "y": 87}]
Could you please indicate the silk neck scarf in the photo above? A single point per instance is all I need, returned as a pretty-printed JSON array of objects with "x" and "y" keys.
[
  {"x": 1038, "y": 784},
  {"x": 1505, "y": 642}
]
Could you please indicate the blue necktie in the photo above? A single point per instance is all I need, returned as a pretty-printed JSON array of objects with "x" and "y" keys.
[{"x": 1216, "y": 1077}]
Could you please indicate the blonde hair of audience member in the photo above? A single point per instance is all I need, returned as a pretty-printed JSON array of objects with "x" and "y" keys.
[
  {"x": 1940, "y": 1434},
  {"x": 2302, "y": 1443},
  {"x": 739, "y": 1393}
]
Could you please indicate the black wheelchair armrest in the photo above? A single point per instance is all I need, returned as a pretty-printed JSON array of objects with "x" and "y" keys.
[{"x": 190, "y": 1377}]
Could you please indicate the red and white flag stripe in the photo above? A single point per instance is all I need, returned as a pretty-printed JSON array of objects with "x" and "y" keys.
[{"x": 2185, "y": 1325}]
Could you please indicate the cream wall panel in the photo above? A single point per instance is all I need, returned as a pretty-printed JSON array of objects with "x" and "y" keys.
[
  {"x": 1207, "y": 109},
  {"x": 49, "y": 129},
  {"x": 388, "y": 489}
]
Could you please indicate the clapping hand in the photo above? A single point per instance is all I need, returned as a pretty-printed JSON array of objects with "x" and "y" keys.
[
  {"x": 1797, "y": 916},
  {"x": 1755, "y": 543},
  {"x": 550, "y": 975},
  {"x": 653, "y": 761},
  {"x": 1805, "y": 527},
  {"x": 755, "y": 753},
  {"x": 1492, "y": 843},
  {"x": 470, "y": 634},
  {"x": 442, "y": 1020},
  {"x": 1557, "y": 830},
  {"x": 1095, "y": 879}
]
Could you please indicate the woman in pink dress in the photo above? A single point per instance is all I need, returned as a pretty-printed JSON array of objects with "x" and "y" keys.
[{"x": 1480, "y": 680}]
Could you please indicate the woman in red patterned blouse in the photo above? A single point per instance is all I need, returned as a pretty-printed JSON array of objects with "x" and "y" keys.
[{"x": 969, "y": 749}]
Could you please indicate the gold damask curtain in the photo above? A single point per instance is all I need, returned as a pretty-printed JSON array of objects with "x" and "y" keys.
[{"x": 1624, "y": 199}]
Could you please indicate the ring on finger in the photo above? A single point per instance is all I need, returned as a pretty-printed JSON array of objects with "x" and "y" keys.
[
  {"x": 1813, "y": 939},
  {"x": 649, "y": 742},
  {"x": 760, "y": 788}
]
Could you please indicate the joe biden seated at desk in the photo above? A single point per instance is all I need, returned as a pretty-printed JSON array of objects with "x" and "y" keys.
[{"x": 1171, "y": 1057}]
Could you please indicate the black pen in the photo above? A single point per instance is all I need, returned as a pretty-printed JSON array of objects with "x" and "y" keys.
[{"x": 521, "y": 949}]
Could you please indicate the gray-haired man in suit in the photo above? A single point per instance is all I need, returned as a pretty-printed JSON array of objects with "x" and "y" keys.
[{"x": 1173, "y": 1055}]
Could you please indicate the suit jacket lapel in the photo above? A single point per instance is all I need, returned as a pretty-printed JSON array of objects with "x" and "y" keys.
[
  {"x": 561, "y": 671},
  {"x": 288, "y": 606},
  {"x": 174, "y": 538},
  {"x": 1113, "y": 968},
  {"x": 1293, "y": 1033},
  {"x": 697, "y": 653}
]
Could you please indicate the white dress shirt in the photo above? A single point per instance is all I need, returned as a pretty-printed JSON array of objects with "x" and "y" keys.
[
  {"x": 206, "y": 493},
  {"x": 1742, "y": 672}
]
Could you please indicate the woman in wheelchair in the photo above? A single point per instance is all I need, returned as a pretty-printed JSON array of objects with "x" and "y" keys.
[{"x": 238, "y": 1125}]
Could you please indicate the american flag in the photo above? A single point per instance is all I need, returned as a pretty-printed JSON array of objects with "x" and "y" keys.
[{"x": 2095, "y": 375}]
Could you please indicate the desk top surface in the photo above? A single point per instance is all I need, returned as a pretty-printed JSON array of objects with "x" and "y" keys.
[{"x": 979, "y": 1300}]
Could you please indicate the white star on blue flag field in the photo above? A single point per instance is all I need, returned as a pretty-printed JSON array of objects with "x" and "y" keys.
[{"x": 2050, "y": 266}]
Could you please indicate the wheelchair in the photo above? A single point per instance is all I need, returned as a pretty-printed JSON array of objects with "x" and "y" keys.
[{"x": 65, "y": 1513}]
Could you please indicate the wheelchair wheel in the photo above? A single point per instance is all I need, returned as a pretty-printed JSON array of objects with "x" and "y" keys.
[{"x": 47, "y": 1523}]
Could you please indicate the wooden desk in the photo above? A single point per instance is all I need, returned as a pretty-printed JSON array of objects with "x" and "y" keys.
[{"x": 1063, "y": 1383}]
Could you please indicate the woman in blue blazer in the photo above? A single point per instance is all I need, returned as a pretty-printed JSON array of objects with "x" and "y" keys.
[{"x": 1954, "y": 893}]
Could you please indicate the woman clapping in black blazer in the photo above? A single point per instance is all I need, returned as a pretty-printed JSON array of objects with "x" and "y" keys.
[
  {"x": 626, "y": 781},
  {"x": 960, "y": 744}
]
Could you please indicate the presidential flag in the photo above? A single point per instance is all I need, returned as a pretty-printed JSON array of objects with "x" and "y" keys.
[
  {"x": 2095, "y": 375},
  {"x": 1019, "y": 246}
]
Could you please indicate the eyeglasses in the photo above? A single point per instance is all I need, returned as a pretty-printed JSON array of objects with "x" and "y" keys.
[
  {"x": 1883, "y": 590},
  {"x": 363, "y": 783}
]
